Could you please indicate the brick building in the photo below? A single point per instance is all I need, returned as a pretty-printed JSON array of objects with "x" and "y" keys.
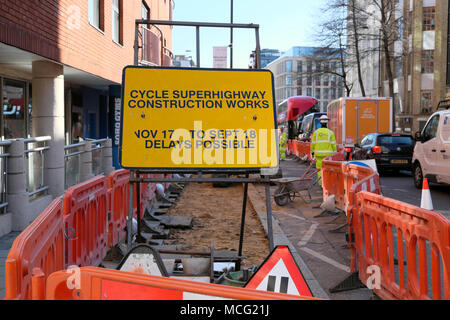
[{"x": 61, "y": 67}]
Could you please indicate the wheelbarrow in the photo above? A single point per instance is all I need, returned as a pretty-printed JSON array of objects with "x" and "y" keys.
[{"x": 292, "y": 187}]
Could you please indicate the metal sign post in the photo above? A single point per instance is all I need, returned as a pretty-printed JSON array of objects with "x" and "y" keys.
[{"x": 136, "y": 170}]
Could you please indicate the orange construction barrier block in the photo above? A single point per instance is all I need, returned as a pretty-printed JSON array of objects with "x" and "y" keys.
[
  {"x": 85, "y": 214},
  {"x": 38, "y": 250},
  {"x": 421, "y": 248},
  {"x": 119, "y": 186},
  {"x": 103, "y": 284}
]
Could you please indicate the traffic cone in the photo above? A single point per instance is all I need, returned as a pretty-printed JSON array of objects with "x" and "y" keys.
[{"x": 426, "y": 202}]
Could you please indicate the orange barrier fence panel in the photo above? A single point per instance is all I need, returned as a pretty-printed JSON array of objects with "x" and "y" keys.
[
  {"x": 333, "y": 175},
  {"x": 85, "y": 215},
  {"x": 104, "y": 284},
  {"x": 387, "y": 230},
  {"x": 119, "y": 186},
  {"x": 40, "y": 246},
  {"x": 297, "y": 149},
  {"x": 370, "y": 184}
]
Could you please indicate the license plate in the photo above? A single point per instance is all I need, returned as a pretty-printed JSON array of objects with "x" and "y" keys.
[{"x": 399, "y": 161}]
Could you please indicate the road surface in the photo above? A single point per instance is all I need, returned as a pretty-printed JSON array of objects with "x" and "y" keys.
[{"x": 401, "y": 187}]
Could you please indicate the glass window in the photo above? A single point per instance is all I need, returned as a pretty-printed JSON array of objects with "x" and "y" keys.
[
  {"x": 14, "y": 119},
  {"x": 289, "y": 80},
  {"x": 145, "y": 12},
  {"x": 116, "y": 21},
  {"x": 428, "y": 61},
  {"x": 430, "y": 130},
  {"x": 317, "y": 94},
  {"x": 317, "y": 81},
  {"x": 309, "y": 80},
  {"x": 299, "y": 81},
  {"x": 309, "y": 66},
  {"x": 289, "y": 66},
  {"x": 95, "y": 13},
  {"x": 445, "y": 132},
  {"x": 429, "y": 18},
  {"x": 309, "y": 92},
  {"x": 299, "y": 66},
  {"x": 299, "y": 92},
  {"x": 426, "y": 103}
]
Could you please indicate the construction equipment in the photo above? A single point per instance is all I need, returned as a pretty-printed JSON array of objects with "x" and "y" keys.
[{"x": 289, "y": 188}]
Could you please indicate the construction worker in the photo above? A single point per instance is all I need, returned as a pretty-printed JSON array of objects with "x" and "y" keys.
[
  {"x": 323, "y": 144},
  {"x": 283, "y": 141}
]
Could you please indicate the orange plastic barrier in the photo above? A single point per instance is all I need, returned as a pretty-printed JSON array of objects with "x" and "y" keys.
[
  {"x": 85, "y": 215},
  {"x": 339, "y": 177},
  {"x": 119, "y": 188},
  {"x": 38, "y": 250},
  {"x": 422, "y": 248},
  {"x": 104, "y": 284}
]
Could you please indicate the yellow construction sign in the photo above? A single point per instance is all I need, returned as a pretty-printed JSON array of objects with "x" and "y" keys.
[{"x": 184, "y": 118}]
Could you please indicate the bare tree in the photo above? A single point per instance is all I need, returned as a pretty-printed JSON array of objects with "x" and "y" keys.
[{"x": 332, "y": 38}]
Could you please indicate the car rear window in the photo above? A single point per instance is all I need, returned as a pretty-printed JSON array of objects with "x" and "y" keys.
[{"x": 394, "y": 140}]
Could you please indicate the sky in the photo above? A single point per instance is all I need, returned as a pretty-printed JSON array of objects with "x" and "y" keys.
[{"x": 283, "y": 24}]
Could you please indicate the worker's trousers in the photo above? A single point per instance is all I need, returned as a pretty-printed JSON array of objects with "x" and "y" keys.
[
  {"x": 319, "y": 167},
  {"x": 283, "y": 152}
]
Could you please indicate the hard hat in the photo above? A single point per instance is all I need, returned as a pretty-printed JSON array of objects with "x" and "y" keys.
[{"x": 324, "y": 118}]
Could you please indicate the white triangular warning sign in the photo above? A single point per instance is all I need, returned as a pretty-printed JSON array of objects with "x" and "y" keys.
[{"x": 279, "y": 273}]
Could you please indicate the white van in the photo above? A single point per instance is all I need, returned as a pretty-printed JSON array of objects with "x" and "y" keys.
[{"x": 431, "y": 158}]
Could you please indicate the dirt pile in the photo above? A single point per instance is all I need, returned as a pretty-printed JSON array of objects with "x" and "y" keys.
[{"x": 217, "y": 216}]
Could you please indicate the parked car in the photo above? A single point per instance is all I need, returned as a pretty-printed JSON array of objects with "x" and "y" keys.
[
  {"x": 391, "y": 151},
  {"x": 431, "y": 158}
]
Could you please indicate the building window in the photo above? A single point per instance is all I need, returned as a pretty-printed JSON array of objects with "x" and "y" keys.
[
  {"x": 326, "y": 93},
  {"x": 317, "y": 94},
  {"x": 96, "y": 14},
  {"x": 299, "y": 91},
  {"x": 426, "y": 102},
  {"x": 299, "y": 66},
  {"x": 428, "y": 61},
  {"x": 289, "y": 80},
  {"x": 326, "y": 80},
  {"x": 14, "y": 112},
  {"x": 289, "y": 66},
  {"x": 309, "y": 80},
  {"x": 309, "y": 66},
  {"x": 288, "y": 92},
  {"x": 317, "y": 81},
  {"x": 429, "y": 18},
  {"x": 333, "y": 80},
  {"x": 309, "y": 92},
  {"x": 117, "y": 21},
  {"x": 318, "y": 67},
  {"x": 300, "y": 81},
  {"x": 333, "y": 93}
]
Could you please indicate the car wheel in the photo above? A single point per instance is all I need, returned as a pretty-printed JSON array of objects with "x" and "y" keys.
[{"x": 418, "y": 176}]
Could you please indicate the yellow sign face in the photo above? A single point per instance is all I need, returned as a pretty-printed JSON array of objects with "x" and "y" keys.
[{"x": 184, "y": 119}]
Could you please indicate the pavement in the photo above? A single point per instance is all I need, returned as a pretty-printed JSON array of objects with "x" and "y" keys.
[
  {"x": 321, "y": 255},
  {"x": 5, "y": 245}
]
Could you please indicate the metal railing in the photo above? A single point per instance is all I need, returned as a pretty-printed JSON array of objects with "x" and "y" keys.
[
  {"x": 72, "y": 164},
  {"x": 73, "y": 160},
  {"x": 97, "y": 150},
  {"x": 34, "y": 165},
  {"x": 4, "y": 177}
]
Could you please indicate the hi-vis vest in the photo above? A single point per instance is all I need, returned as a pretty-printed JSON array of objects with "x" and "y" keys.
[
  {"x": 323, "y": 143},
  {"x": 283, "y": 139}
]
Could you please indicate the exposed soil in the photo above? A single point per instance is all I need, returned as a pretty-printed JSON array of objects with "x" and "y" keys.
[{"x": 216, "y": 216}]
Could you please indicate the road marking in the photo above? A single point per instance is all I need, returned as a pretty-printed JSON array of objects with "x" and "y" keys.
[
  {"x": 326, "y": 259},
  {"x": 308, "y": 235}
]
